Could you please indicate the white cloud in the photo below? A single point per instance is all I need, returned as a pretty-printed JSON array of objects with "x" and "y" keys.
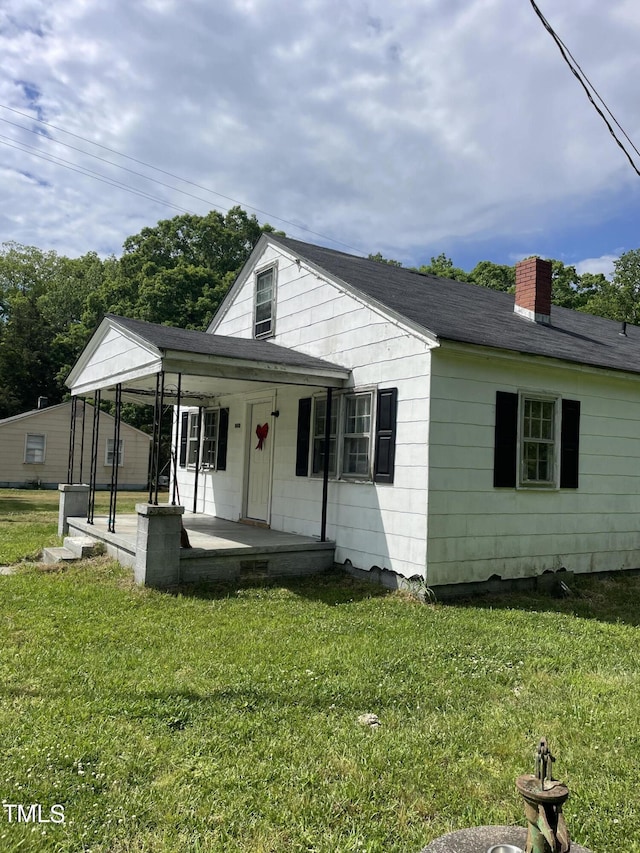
[
  {"x": 382, "y": 125},
  {"x": 603, "y": 264}
]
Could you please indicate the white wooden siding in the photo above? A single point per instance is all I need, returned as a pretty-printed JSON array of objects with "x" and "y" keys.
[
  {"x": 475, "y": 530},
  {"x": 116, "y": 355},
  {"x": 372, "y": 524}
]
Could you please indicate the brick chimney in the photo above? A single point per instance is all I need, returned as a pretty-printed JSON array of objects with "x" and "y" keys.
[{"x": 533, "y": 290}]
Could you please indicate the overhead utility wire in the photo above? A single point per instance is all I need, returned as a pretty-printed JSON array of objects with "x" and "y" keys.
[
  {"x": 583, "y": 80},
  {"x": 172, "y": 175},
  {"x": 57, "y": 161},
  {"x": 108, "y": 162}
]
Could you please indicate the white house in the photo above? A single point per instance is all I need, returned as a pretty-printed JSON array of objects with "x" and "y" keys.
[{"x": 470, "y": 435}]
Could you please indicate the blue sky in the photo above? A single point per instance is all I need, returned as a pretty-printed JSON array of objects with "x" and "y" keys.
[{"x": 410, "y": 128}]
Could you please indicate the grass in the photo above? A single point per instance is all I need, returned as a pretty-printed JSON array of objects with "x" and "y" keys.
[
  {"x": 29, "y": 520},
  {"x": 226, "y": 719}
]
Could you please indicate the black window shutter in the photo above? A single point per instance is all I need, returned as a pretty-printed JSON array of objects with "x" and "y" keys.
[
  {"x": 569, "y": 444},
  {"x": 385, "y": 451},
  {"x": 184, "y": 435},
  {"x": 302, "y": 444},
  {"x": 505, "y": 463},
  {"x": 223, "y": 435}
]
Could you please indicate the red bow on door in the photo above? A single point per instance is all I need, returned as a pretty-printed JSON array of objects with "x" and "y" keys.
[{"x": 261, "y": 432}]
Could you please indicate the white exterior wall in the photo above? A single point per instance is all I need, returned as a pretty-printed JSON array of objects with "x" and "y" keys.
[
  {"x": 381, "y": 525},
  {"x": 476, "y": 530}
]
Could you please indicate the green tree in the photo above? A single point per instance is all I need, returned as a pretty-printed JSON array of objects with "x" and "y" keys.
[
  {"x": 27, "y": 356},
  {"x": 493, "y": 276},
  {"x": 618, "y": 299},
  {"x": 179, "y": 271},
  {"x": 380, "y": 259},
  {"x": 443, "y": 267}
]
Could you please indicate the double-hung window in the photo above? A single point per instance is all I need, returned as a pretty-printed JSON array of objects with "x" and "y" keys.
[
  {"x": 108, "y": 457},
  {"x": 193, "y": 437},
  {"x": 34, "y": 448},
  {"x": 209, "y": 439},
  {"x": 264, "y": 303},
  {"x": 356, "y": 435},
  {"x": 362, "y": 435},
  {"x": 319, "y": 432},
  {"x": 203, "y": 439},
  {"x": 537, "y": 441}
]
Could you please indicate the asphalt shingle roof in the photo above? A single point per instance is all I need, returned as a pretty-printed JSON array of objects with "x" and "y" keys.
[
  {"x": 187, "y": 340},
  {"x": 458, "y": 311}
]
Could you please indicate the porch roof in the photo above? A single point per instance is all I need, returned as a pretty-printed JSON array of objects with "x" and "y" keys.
[{"x": 131, "y": 352}]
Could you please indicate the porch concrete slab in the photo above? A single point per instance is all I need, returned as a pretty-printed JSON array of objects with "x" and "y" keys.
[
  {"x": 219, "y": 534},
  {"x": 220, "y": 549}
]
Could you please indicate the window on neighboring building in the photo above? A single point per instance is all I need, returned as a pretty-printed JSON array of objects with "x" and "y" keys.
[
  {"x": 264, "y": 306},
  {"x": 34, "y": 448},
  {"x": 108, "y": 459}
]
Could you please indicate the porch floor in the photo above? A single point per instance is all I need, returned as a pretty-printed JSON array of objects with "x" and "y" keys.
[{"x": 220, "y": 549}]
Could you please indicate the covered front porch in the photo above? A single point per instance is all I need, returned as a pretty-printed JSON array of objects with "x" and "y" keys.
[
  {"x": 219, "y": 550},
  {"x": 180, "y": 370}
]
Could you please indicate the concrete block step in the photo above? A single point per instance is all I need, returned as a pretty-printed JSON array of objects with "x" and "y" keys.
[
  {"x": 58, "y": 555},
  {"x": 83, "y": 546}
]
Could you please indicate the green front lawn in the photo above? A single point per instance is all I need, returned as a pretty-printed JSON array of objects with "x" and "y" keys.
[
  {"x": 29, "y": 520},
  {"x": 228, "y": 722}
]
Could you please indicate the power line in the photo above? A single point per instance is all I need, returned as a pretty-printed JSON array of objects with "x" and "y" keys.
[
  {"x": 163, "y": 172},
  {"x": 582, "y": 78},
  {"x": 57, "y": 161}
]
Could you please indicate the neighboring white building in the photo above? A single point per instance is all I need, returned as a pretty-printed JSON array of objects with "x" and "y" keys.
[
  {"x": 34, "y": 450},
  {"x": 470, "y": 436}
]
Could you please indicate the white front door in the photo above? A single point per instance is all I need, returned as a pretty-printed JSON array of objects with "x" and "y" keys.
[{"x": 259, "y": 461}]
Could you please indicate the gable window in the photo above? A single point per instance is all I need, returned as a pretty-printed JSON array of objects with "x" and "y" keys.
[
  {"x": 34, "y": 448},
  {"x": 351, "y": 436},
  {"x": 264, "y": 303},
  {"x": 536, "y": 441},
  {"x": 108, "y": 457}
]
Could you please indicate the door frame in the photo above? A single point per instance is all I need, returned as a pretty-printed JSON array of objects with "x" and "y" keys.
[{"x": 249, "y": 446}]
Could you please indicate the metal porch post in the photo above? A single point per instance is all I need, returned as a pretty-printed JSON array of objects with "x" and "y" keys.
[
  {"x": 113, "y": 496},
  {"x": 84, "y": 412},
  {"x": 72, "y": 439},
  {"x": 94, "y": 457},
  {"x": 159, "y": 437},
  {"x": 325, "y": 472},
  {"x": 197, "y": 471},
  {"x": 176, "y": 444}
]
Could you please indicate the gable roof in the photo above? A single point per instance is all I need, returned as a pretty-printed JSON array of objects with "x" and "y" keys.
[
  {"x": 132, "y": 353},
  {"x": 468, "y": 313},
  {"x": 42, "y": 413},
  {"x": 170, "y": 338}
]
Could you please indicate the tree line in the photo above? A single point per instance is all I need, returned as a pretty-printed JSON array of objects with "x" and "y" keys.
[{"x": 177, "y": 273}]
